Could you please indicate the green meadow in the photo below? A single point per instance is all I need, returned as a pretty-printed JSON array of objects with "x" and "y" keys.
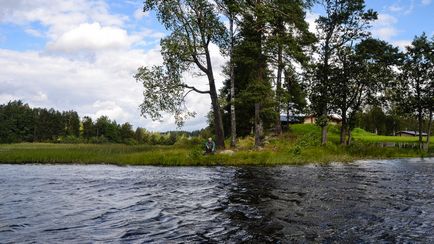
[{"x": 300, "y": 145}]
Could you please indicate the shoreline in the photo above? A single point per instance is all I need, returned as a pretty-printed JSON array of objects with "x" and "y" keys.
[
  {"x": 122, "y": 155},
  {"x": 211, "y": 165},
  {"x": 299, "y": 146}
]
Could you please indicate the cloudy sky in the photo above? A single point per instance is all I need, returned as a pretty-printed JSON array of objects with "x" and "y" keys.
[{"x": 82, "y": 54}]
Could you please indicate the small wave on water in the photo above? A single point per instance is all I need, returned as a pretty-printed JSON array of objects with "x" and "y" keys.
[{"x": 367, "y": 201}]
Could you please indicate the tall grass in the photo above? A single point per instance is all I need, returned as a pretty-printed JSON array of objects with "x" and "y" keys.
[{"x": 299, "y": 146}]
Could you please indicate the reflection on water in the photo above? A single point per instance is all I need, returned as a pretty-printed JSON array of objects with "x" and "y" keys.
[{"x": 371, "y": 201}]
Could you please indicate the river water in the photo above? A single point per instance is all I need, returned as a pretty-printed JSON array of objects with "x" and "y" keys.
[{"x": 366, "y": 201}]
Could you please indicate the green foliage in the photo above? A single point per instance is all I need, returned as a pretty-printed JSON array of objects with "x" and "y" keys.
[
  {"x": 130, "y": 141},
  {"x": 88, "y": 128},
  {"x": 322, "y": 120},
  {"x": 70, "y": 139},
  {"x": 20, "y": 123},
  {"x": 344, "y": 23},
  {"x": 98, "y": 140}
]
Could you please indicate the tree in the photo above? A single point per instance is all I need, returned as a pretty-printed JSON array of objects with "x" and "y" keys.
[
  {"x": 259, "y": 88},
  {"x": 415, "y": 84},
  {"x": 107, "y": 128},
  {"x": 360, "y": 78},
  {"x": 230, "y": 9},
  {"x": 16, "y": 122},
  {"x": 71, "y": 123},
  {"x": 285, "y": 43},
  {"x": 344, "y": 22},
  {"x": 194, "y": 25},
  {"x": 89, "y": 129},
  {"x": 126, "y": 131}
]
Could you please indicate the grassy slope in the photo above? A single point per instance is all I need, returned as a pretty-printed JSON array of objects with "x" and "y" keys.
[{"x": 297, "y": 147}]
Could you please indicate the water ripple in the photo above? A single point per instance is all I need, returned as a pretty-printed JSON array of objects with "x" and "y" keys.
[{"x": 370, "y": 201}]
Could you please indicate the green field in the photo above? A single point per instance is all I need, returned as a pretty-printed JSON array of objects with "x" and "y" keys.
[{"x": 298, "y": 146}]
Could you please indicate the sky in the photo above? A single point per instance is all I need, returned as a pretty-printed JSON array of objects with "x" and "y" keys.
[{"x": 81, "y": 55}]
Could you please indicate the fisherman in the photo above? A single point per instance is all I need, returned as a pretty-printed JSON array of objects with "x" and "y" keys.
[{"x": 209, "y": 146}]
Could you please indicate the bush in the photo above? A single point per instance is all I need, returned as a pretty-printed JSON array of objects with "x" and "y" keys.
[
  {"x": 189, "y": 141},
  {"x": 130, "y": 141},
  {"x": 68, "y": 140},
  {"x": 98, "y": 140}
]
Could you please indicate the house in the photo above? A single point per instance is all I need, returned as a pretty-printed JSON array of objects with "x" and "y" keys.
[
  {"x": 410, "y": 133},
  {"x": 292, "y": 119},
  {"x": 333, "y": 119}
]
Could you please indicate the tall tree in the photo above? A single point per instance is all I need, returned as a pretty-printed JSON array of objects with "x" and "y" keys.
[
  {"x": 344, "y": 22},
  {"x": 258, "y": 88},
  {"x": 71, "y": 123},
  {"x": 89, "y": 129},
  {"x": 360, "y": 78},
  {"x": 126, "y": 131},
  {"x": 194, "y": 25},
  {"x": 231, "y": 9},
  {"x": 288, "y": 36},
  {"x": 416, "y": 79}
]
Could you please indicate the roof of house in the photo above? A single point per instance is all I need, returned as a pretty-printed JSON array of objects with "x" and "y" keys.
[
  {"x": 292, "y": 118},
  {"x": 331, "y": 116},
  {"x": 411, "y": 132}
]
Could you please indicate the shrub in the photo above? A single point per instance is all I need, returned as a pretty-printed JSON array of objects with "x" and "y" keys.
[
  {"x": 130, "y": 141},
  {"x": 99, "y": 140}
]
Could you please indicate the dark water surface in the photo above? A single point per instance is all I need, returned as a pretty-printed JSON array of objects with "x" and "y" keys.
[{"x": 367, "y": 201}]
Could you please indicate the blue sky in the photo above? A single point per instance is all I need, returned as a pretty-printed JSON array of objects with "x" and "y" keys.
[{"x": 82, "y": 54}]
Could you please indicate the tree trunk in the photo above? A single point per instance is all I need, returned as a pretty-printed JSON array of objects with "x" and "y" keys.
[
  {"x": 343, "y": 127},
  {"x": 218, "y": 121},
  {"x": 278, "y": 88},
  {"x": 428, "y": 135},
  {"x": 420, "y": 121},
  {"x": 349, "y": 137},
  {"x": 287, "y": 118},
  {"x": 232, "y": 74},
  {"x": 258, "y": 125},
  {"x": 324, "y": 135},
  {"x": 324, "y": 128}
]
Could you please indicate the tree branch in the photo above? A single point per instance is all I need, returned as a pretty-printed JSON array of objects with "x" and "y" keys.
[{"x": 195, "y": 89}]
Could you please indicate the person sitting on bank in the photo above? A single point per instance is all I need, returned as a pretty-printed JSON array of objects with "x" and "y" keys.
[{"x": 209, "y": 146}]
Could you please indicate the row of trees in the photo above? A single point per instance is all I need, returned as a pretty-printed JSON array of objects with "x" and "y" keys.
[
  {"x": 21, "y": 123},
  {"x": 277, "y": 66}
]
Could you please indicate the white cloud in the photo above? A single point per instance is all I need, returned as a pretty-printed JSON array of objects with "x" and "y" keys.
[
  {"x": 396, "y": 8},
  {"x": 426, "y": 2},
  {"x": 384, "y": 28},
  {"x": 40, "y": 97},
  {"x": 386, "y": 20},
  {"x": 58, "y": 16},
  {"x": 139, "y": 14},
  {"x": 91, "y": 37},
  {"x": 404, "y": 9},
  {"x": 385, "y": 33},
  {"x": 34, "y": 32},
  {"x": 310, "y": 19},
  {"x": 110, "y": 109},
  {"x": 402, "y": 44}
]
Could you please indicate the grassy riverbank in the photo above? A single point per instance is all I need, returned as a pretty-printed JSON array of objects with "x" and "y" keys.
[{"x": 299, "y": 146}]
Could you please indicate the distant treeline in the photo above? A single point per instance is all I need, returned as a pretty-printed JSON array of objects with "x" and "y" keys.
[{"x": 21, "y": 123}]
